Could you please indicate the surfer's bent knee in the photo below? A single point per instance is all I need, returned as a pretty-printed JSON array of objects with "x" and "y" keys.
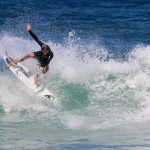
[{"x": 45, "y": 69}]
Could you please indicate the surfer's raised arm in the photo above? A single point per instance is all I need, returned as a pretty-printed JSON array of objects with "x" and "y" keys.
[{"x": 33, "y": 35}]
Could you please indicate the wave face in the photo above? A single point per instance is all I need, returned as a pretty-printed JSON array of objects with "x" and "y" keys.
[{"x": 99, "y": 75}]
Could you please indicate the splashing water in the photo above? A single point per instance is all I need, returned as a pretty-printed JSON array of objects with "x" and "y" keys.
[{"x": 91, "y": 93}]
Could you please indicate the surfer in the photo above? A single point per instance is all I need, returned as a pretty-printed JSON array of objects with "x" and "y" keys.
[{"x": 44, "y": 56}]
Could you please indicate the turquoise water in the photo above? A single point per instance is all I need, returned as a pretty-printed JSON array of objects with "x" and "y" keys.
[{"x": 99, "y": 75}]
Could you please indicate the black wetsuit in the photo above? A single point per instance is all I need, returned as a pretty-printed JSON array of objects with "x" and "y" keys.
[{"x": 44, "y": 60}]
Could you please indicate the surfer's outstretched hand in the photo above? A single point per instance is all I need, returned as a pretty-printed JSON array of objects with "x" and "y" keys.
[{"x": 28, "y": 27}]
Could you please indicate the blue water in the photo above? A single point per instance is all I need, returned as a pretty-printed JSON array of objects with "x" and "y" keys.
[
  {"x": 117, "y": 25},
  {"x": 99, "y": 75}
]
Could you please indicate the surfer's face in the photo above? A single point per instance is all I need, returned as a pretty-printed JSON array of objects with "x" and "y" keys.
[{"x": 45, "y": 50}]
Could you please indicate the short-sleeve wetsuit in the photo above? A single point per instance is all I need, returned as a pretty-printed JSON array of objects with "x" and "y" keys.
[{"x": 44, "y": 60}]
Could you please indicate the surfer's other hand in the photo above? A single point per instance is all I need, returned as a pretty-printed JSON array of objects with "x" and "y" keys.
[
  {"x": 28, "y": 27},
  {"x": 39, "y": 65}
]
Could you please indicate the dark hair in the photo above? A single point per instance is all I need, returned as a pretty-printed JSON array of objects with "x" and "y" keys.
[{"x": 45, "y": 47}]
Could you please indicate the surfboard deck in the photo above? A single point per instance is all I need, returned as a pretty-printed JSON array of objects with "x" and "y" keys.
[{"x": 27, "y": 78}]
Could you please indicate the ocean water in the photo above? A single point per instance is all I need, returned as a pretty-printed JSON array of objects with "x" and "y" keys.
[{"x": 100, "y": 75}]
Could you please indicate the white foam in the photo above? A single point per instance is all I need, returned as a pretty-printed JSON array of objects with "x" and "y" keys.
[{"x": 113, "y": 86}]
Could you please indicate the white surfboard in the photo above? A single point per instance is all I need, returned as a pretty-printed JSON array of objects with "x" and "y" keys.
[{"x": 28, "y": 78}]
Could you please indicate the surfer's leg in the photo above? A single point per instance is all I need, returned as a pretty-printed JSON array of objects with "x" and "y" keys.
[{"x": 45, "y": 69}]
